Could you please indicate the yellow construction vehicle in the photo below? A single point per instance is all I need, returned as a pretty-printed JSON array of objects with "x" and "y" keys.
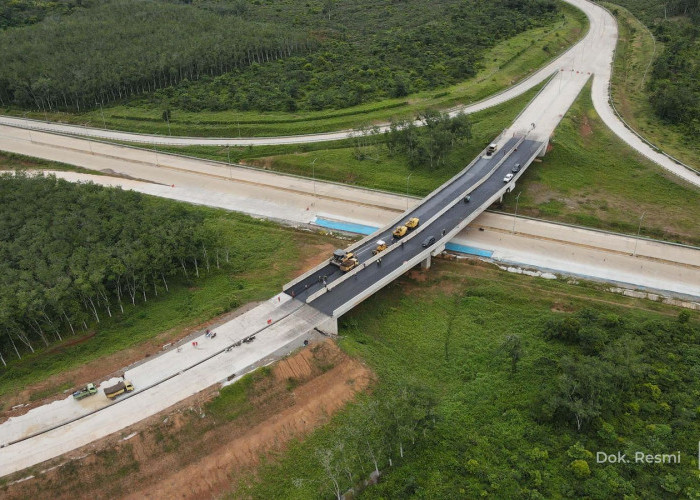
[
  {"x": 339, "y": 256},
  {"x": 381, "y": 246},
  {"x": 348, "y": 264},
  {"x": 400, "y": 232},
  {"x": 412, "y": 223}
]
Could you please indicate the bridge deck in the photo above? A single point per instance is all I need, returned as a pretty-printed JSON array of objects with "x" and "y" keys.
[{"x": 395, "y": 258}]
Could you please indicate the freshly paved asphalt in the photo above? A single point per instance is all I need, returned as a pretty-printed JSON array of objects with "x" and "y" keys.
[{"x": 392, "y": 259}]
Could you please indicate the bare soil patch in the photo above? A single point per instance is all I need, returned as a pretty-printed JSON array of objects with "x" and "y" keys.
[
  {"x": 585, "y": 128},
  {"x": 314, "y": 255},
  {"x": 185, "y": 453}
]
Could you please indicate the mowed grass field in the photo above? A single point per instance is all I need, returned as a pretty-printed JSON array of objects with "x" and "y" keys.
[
  {"x": 12, "y": 161},
  {"x": 503, "y": 65},
  {"x": 590, "y": 177}
]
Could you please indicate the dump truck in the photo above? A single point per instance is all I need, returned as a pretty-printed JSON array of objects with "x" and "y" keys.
[
  {"x": 86, "y": 391},
  {"x": 412, "y": 223},
  {"x": 118, "y": 389},
  {"x": 400, "y": 232},
  {"x": 381, "y": 246},
  {"x": 348, "y": 264},
  {"x": 339, "y": 256}
]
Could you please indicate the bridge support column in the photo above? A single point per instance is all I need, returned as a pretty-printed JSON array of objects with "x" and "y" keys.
[
  {"x": 425, "y": 264},
  {"x": 330, "y": 326},
  {"x": 544, "y": 148}
]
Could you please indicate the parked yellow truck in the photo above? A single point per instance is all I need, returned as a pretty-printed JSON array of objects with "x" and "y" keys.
[{"x": 118, "y": 389}]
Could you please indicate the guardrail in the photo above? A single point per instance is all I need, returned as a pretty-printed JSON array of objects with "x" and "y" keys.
[{"x": 597, "y": 230}]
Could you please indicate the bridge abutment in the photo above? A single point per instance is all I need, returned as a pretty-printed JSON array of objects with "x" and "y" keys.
[{"x": 329, "y": 326}]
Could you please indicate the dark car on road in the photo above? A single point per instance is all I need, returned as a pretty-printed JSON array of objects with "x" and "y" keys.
[
  {"x": 428, "y": 241},
  {"x": 516, "y": 168}
]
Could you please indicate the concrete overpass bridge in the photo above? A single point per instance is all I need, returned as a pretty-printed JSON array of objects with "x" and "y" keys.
[{"x": 443, "y": 214}]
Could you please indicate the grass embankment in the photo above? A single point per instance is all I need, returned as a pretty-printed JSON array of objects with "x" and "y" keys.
[
  {"x": 491, "y": 437},
  {"x": 590, "y": 177},
  {"x": 636, "y": 50},
  {"x": 266, "y": 256},
  {"x": 12, "y": 161},
  {"x": 503, "y": 65},
  {"x": 337, "y": 161}
]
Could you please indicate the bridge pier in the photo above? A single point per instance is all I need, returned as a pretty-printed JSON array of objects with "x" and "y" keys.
[
  {"x": 425, "y": 264},
  {"x": 544, "y": 148}
]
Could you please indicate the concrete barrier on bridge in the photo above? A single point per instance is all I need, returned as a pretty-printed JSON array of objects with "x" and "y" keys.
[
  {"x": 423, "y": 255},
  {"x": 426, "y": 225},
  {"x": 393, "y": 223}
]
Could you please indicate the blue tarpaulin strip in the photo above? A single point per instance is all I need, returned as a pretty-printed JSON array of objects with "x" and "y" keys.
[
  {"x": 362, "y": 229},
  {"x": 345, "y": 226},
  {"x": 453, "y": 247}
]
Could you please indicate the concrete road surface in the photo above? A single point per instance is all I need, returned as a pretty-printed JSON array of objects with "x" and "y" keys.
[
  {"x": 597, "y": 255},
  {"x": 159, "y": 383}
]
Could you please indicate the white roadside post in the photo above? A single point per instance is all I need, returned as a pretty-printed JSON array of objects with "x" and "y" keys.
[
  {"x": 639, "y": 230},
  {"x": 516, "y": 211}
]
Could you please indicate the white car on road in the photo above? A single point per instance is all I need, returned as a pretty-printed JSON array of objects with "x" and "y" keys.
[{"x": 508, "y": 177}]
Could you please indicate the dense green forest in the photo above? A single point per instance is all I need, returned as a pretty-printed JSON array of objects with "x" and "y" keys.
[
  {"x": 275, "y": 55},
  {"x": 125, "y": 47},
  {"x": 499, "y": 386},
  {"x": 674, "y": 84},
  {"x": 25, "y": 12},
  {"x": 71, "y": 254},
  {"x": 428, "y": 146}
]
